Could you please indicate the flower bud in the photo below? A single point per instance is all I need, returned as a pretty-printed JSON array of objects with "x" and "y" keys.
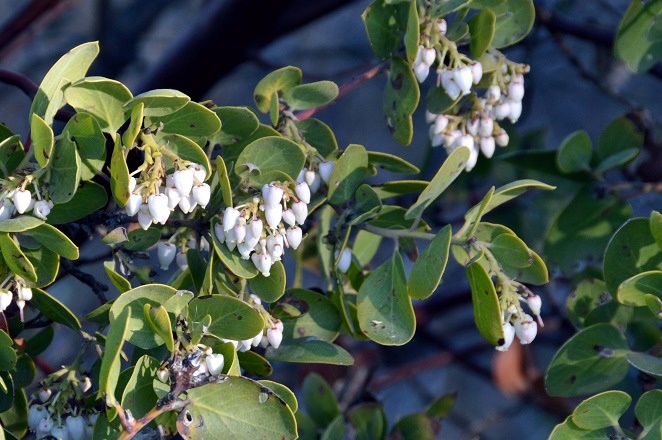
[
  {"x": 294, "y": 236},
  {"x": 486, "y": 126},
  {"x": 45, "y": 394},
  {"x": 262, "y": 262},
  {"x": 85, "y": 385},
  {"x": 166, "y": 253},
  {"x": 289, "y": 217},
  {"x": 526, "y": 329},
  {"x": 21, "y": 305},
  {"x": 421, "y": 71},
  {"x": 440, "y": 123},
  {"x": 493, "y": 93},
  {"x": 309, "y": 177},
  {"x": 487, "y": 146},
  {"x": 5, "y": 299},
  {"x": 6, "y": 209},
  {"x": 442, "y": 26},
  {"x": 215, "y": 362},
  {"x": 22, "y": 200},
  {"x": 476, "y": 71},
  {"x": 220, "y": 233},
  {"x": 36, "y": 413},
  {"x": 163, "y": 374},
  {"x": 44, "y": 427},
  {"x": 158, "y": 208},
  {"x": 429, "y": 56},
  {"x": 472, "y": 126},
  {"x": 326, "y": 169},
  {"x": 509, "y": 336},
  {"x": 303, "y": 192},
  {"x": 181, "y": 261},
  {"x": 345, "y": 260},
  {"x": 501, "y": 138},
  {"x": 133, "y": 205},
  {"x": 535, "y": 304},
  {"x": 183, "y": 181},
  {"x": 464, "y": 79},
  {"x": 24, "y": 293},
  {"x": 199, "y": 172}
]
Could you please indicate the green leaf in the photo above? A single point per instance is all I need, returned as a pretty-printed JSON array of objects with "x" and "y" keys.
[
  {"x": 649, "y": 410},
  {"x": 83, "y": 130},
  {"x": 89, "y": 198},
  {"x": 367, "y": 204},
  {"x": 588, "y": 295},
  {"x": 138, "y": 331},
  {"x": 428, "y": 269},
  {"x": 54, "y": 310},
  {"x": 416, "y": 426},
  {"x": 157, "y": 318},
  {"x": 42, "y": 139},
  {"x": 646, "y": 363},
  {"x": 583, "y": 229},
  {"x": 310, "y": 350},
  {"x": 232, "y": 260},
  {"x": 481, "y": 28},
  {"x": 279, "y": 80},
  {"x": 632, "y": 250},
  {"x": 335, "y": 430},
  {"x": 632, "y": 44},
  {"x": 237, "y": 123},
  {"x": 159, "y": 102},
  {"x": 271, "y": 158},
  {"x": 385, "y": 23},
  {"x": 253, "y": 363},
  {"x": 575, "y": 153},
  {"x": 46, "y": 265},
  {"x": 283, "y": 392},
  {"x": 119, "y": 174},
  {"x": 442, "y": 406},
  {"x": 319, "y": 400},
  {"x": 569, "y": 431},
  {"x": 602, "y": 410},
  {"x": 384, "y": 308},
  {"x": 369, "y": 421},
  {"x": 185, "y": 149},
  {"x": 15, "y": 420},
  {"x": 450, "y": 6},
  {"x": 449, "y": 171},
  {"x": 11, "y": 154},
  {"x": 139, "y": 396},
  {"x": 20, "y": 223},
  {"x": 591, "y": 361},
  {"x": 638, "y": 290},
  {"x": 101, "y": 97},
  {"x": 348, "y": 174},
  {"x": 412, "y": 32},
  {"x": 110, "y": 361},
  {"x": 64, "y": 171},
  {"x": 53, "y": 239},
  {"x": 618, "y": 143},
  {"x": 16, "y": 259},
  {"x": 8, "y": 356},
  {"x": 511, "y": 250},
  {"x": 121, "y": 283},
  {"x": 401, "y": 97},
  {"x": 487, "y": 313},
  {"x": 270, "y": 288},
  {"x": 193, "y": 120},
  {"x": 514, "y": 20},
  {"x": 311, "y": 95},
  {"x": 438, "y": 101},
  {"x": 142, "y": 239},
  {"x": 391, "y": 163},
  {"x": 319, "y": 135},
  {"x": 71, "y": 67},
  {"x": 366, "y": 245},
  {"x": 320, "y": 320},
  {"x": 135, "y": 125},
  {"x": 656, "y": 227},
  {"x": 231, "y": 317},
  {"x": 236, "y": 407}
]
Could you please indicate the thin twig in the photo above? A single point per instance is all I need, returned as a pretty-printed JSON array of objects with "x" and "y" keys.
[{"x": 85, "y": 278}]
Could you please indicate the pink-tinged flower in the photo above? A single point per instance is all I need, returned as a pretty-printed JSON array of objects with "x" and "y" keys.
[
  {"x": 476, "y": 71},
  {"x": 429, "y": 56},
  {"x": 526, "y": 329},
  {"x": 493, "y": 93},
  {"x": 501, "y": 138},
  {"x": 181, "y": 260}
]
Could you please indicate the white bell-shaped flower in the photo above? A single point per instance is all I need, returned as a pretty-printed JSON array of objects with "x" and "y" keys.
[
  {"x": 473, "y": 159},
  {"x": 76, "y": 427},
  {"x": 199, "y": 172},
  {"x": 244, "y": 250},
  {"x": 501, "y": 138},
  {"x": 220, "y": 233},
  {"x": 24, "y": 293},
  {"x": 35, "y": 414},
  {"x": 464, "y": 79},
  {"x": 493, "y": 93},
  {"x": 215, "y": 362},
  {"x": 535, "y": 304},
  {"x": 476, "y": 71},
  {"x": 440, "y": 123},
  {"x": 41, "y": 209},
  {"x": 173, "y": 197},
  {"x": 486, "y": 126},
  {"x": 508, "y": 336},
  {"x": 289, "y": 217},
  {"x": 132, "y": 184},
  {"x": 22, "y": 200},
  {"x": 442, "y": 26},
  {"x": 44, "y": 427},
  {"x": 5, "y": 299},
  {"x": 273, "y": 215},
  {"x": 429, "y": 56},
  {"x": 302, "y": 175},
  {"x": 472, "y": 126},
  {"x": 300, "y": 210},
  {"x": 274, "y": 336},
  {"x": 133, "y": 205},
  {"x": 294, "y": 236},
  {"x": 487, "y": 146},
  {"x": 144, "y": 217},
  {"x": 187, "y": 204},
  {"x": 183, "y": 181},
  {"x": 181, "y": 261},
  {"x": 158, "y": 208},
  {"x": 272, "y": 195},
  {"x": 230, "y": 217},
  {"x": 262, "y": 262},
  {"x": 202, "y": 194},
  {"x": 515, "y": 111},
  {"x": 526, "y": 329},
  {"x": 6, "y": 209},
  {"x": 421, "y": 71},
  {"x": 166, "y": 253},
  {"x": 325, "y": 170},
  {"x": 449, "y": 84},
  {"x": 302, "y": 191},
  {"x": 501, "y": 111},
  {"x": 345, "y": 260}
]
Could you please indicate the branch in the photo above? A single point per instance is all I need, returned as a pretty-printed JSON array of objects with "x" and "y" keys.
[{"x": 85, "y": 278}]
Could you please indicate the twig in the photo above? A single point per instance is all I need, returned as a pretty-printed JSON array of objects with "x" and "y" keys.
[{"x": 85, "y": 278}]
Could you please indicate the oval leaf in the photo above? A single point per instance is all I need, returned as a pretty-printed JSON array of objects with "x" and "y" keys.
[
  {"x": 602, "y": 410},
  {"x": 231, "y": 317},
  {"x": 101, "y": 97},
  {"x": 428, "y": 269},
  {"x": 487, "y": 313},
  {"x": 270, "y": 288},
  {"x": 310, "y": 350},
  {"x": 575, "y": 153},
  {"x": 348, "y": 174},
  {"x": 265, "y": 156}
]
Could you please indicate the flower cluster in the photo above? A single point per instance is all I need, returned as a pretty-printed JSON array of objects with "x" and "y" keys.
[
  {"x": 20, "y": 200},
  {"x": 155, "y": 195},
  {"x": 51, "y": 415},
  {"x": 262, "y": 228},
  {"x": 520, "y": 324},
  {"x": 23, "y": 293}
]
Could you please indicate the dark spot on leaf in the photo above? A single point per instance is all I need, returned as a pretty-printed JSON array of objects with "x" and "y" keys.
[
  {"x": 573, "y": 378},
  {"x": 397, "y": 81},
  {"x": 201, "y": 422},
  {"x": 501, "y": 341},
  {"x": 191, "y": 125},
  {"x": 487, "y": 292},
  {"x": 239, "y": 317}
]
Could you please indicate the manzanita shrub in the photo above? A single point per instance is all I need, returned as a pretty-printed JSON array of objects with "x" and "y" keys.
[{"x": 227, "y": 193}]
